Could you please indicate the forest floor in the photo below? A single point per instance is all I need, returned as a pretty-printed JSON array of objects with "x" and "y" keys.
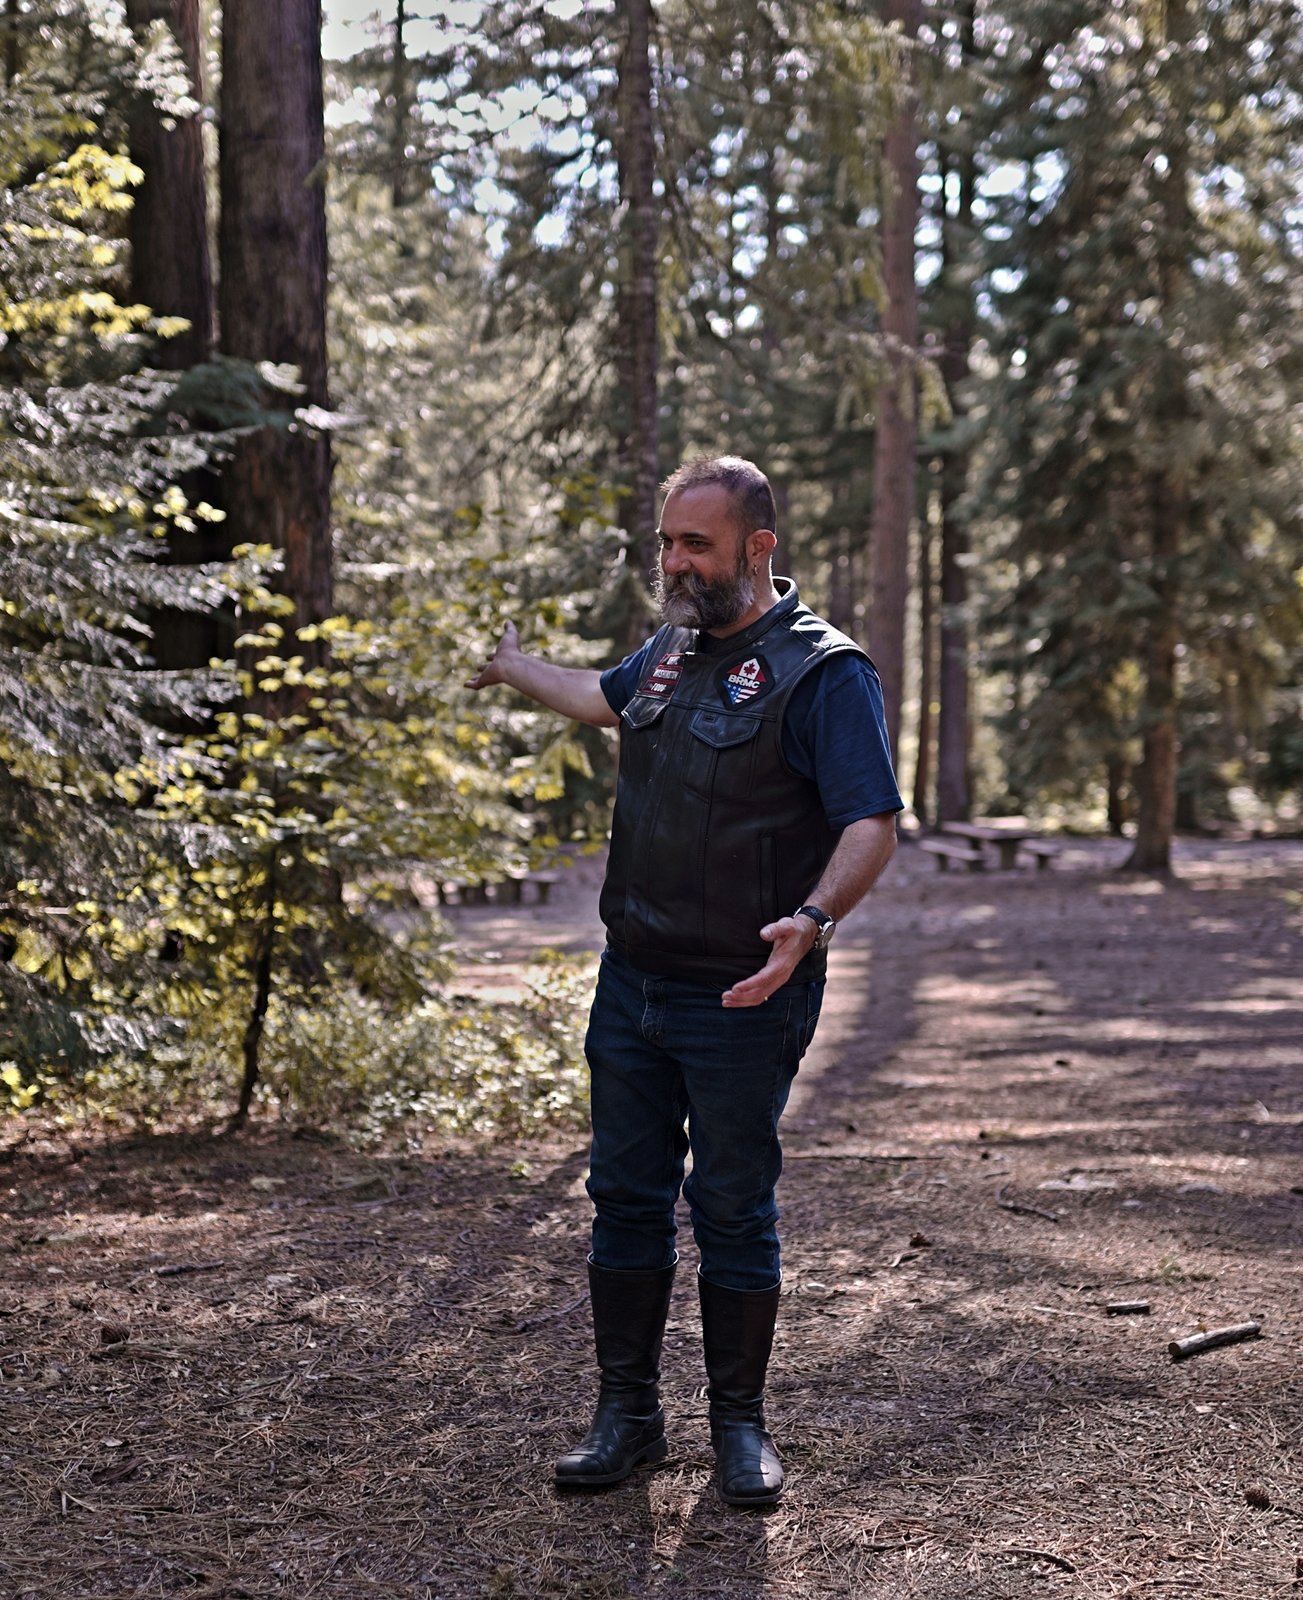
[{"x": 273, "y": 1365}]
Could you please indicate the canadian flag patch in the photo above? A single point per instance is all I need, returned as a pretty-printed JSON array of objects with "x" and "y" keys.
[
  {"x": 745, "y": 681},
  {"x": 660, "y": 681}
]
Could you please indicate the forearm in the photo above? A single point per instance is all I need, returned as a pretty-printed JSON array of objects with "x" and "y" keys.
[
  {"x": 862, "y": 852},
  {"x": 573, "y": 691}
]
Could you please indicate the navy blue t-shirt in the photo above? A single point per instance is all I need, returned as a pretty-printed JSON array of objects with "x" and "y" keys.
[{"x": 834, "y": 729}]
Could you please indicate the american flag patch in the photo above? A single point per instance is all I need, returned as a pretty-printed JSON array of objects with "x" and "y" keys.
[{"x": 745, "y": 681}]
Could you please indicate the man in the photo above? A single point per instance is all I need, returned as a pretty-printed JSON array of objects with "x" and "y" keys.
[{"x": 755, "y": 807}]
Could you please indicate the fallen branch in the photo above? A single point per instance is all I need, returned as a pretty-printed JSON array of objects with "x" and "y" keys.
[
  {"x": 1196, "y": 1343},
  {"x": 1022, "y": 1210},
  {"x": 1127, "y": 1308},
  {"x": 408, "y": 1197},
  {"x": 67, "y": 1498},
  {"x": 528, "y": 1324},
  {"x": 855, "y": 1155},
  {"x": 1062, "y": 1562},
  {"x": 150, "y": 1352},
  {"x": 188, "y": 1266}
]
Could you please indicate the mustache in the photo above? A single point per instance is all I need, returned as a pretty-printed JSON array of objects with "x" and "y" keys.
[
  {"x": 689, "y": 600},
  {"x": 691, "y": 584}
]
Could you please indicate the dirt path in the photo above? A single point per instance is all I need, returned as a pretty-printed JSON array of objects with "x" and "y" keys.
[{"x": 1031, "y": 1095}]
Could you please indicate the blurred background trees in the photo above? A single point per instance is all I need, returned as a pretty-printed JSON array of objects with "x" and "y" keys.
[{"x": 328, "y": 343}]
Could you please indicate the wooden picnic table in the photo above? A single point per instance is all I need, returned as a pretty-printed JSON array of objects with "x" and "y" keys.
[{"x": 1005, "y": 833}]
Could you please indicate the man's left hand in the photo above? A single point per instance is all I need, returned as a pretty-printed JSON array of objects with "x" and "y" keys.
[{"x": 792, "y": 938}]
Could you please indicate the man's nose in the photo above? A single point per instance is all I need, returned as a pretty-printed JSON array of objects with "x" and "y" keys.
[{"x": 673, "y": 561}]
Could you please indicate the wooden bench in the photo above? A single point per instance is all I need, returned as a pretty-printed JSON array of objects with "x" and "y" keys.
[
  {"x": 512, "y": 888},
  {"x": 948, "y": 850},
  {"x": 1040, "y": 850},
  {"x": 502, "y": 891}
]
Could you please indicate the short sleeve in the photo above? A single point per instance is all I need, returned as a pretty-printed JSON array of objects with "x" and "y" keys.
[
  {"x": 620, "y": 682},
  {"x": 835, "y": 733}
]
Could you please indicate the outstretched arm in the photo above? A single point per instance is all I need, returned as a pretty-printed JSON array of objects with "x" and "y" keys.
[
  {"x": 863, "y": 850},
  {"x": 573, "y": 691}
]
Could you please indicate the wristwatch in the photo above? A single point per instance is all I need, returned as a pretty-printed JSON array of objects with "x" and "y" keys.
[{"x": 822, "y": 921}]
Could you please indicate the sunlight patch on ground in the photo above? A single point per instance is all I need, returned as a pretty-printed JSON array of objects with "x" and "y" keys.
[{"x": 978, "y": 994}]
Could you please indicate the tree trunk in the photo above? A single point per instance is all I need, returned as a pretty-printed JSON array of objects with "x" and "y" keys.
[
  {"x": 771, "y": 340},
  {"x": 13, "y": 53},
  {"x": 1187, "y": 816},
  {"x": 1169, "y": 501},
  {"x": 1156, "y": 778},
  {"x": 170, "y": 268},
  {"x": 638, "y": 350},
  {"x": 262, "y": 967},
  {"x": 272, "y": 300},
  {"x": 1117, "y": 771},
  {"x": 926, "y": 671},
  {"x": 400, "y": 90},
  {"x": 954, "y": 735},
  {"x": 894, "y": 467},
  {"x": 840, "y": 609},
  {"x": 171, "y": 272}
]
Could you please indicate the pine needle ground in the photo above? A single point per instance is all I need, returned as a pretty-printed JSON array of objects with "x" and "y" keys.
[{"x": 274, "y": 1366}]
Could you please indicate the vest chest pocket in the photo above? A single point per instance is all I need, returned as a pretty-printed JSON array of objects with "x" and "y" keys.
[{"x": 719, "y": 757}]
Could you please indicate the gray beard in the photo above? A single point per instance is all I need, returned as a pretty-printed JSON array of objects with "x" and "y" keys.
[{"x": 692, "y": 602}]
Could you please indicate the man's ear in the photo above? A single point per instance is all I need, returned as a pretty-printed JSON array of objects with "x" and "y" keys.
[{"x": 759, "y": 546}]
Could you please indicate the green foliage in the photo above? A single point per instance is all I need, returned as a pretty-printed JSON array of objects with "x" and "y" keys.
[
  {"x": 87, "y": 495},
  {"x": 172, "y": 902},
  {"x": 1150, "y": 368},
  {"x": 456, "y": 1065},
  {"x": 446, "y": 508},
  {"x": 769, "y": 281},
  {"x": 374, "y": 1070},
  {"x": 204, "y": 870}
]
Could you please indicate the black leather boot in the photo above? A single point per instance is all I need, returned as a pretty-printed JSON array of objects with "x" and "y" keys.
[
  {"x": 628, "y": 1431},
  {"x": 737, "y": 1328}
]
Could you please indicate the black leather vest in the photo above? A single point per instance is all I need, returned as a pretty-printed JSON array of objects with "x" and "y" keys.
[{"x": 714, "y": 835}]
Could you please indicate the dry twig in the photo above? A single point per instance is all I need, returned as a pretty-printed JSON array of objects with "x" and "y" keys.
[
  {"x": 1196, "y": 1343},
  {"x": 1021, "y": 1209}
]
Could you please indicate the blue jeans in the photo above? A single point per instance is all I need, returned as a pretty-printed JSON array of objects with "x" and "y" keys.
[{"x": 664, "y": 1054}]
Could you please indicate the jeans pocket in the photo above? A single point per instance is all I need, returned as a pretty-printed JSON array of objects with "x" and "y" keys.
[{"x": 813, "y": 1006}]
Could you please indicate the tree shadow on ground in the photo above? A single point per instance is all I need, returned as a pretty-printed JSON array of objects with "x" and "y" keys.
[{"x": 369, "y": 1392}]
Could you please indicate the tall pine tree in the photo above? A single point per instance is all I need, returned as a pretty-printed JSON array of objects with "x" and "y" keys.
[{"x": 1145, "y": 456}]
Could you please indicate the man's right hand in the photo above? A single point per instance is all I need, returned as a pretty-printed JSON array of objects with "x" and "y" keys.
[
  {"x": 573, "y": 691},
  {"x": 494, "y": 669}
]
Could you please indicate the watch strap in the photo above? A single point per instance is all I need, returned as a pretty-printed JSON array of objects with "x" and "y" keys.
[{"x": 822, "y": 921}]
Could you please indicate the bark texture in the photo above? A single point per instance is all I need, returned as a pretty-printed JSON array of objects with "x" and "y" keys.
[
  {"x": 272, "y": 299},
  {"x": 638, "y": 352},
  {"x": 171, "y": 272},
  {"x": 13, "y": 51},
  {"x": 1169, "y": 502},
  {"x": 954, "y": 724},
  {"x": 402, "y": 109},
  {"x": 1156, "y": 776},
  {"x": 895, "y": 446},
  {"x": 170, "y": 267},
  {"x": 927, "y": 687}
]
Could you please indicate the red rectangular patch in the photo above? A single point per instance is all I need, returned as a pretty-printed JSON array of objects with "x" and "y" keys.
[{"x": 660, "y": 681}]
